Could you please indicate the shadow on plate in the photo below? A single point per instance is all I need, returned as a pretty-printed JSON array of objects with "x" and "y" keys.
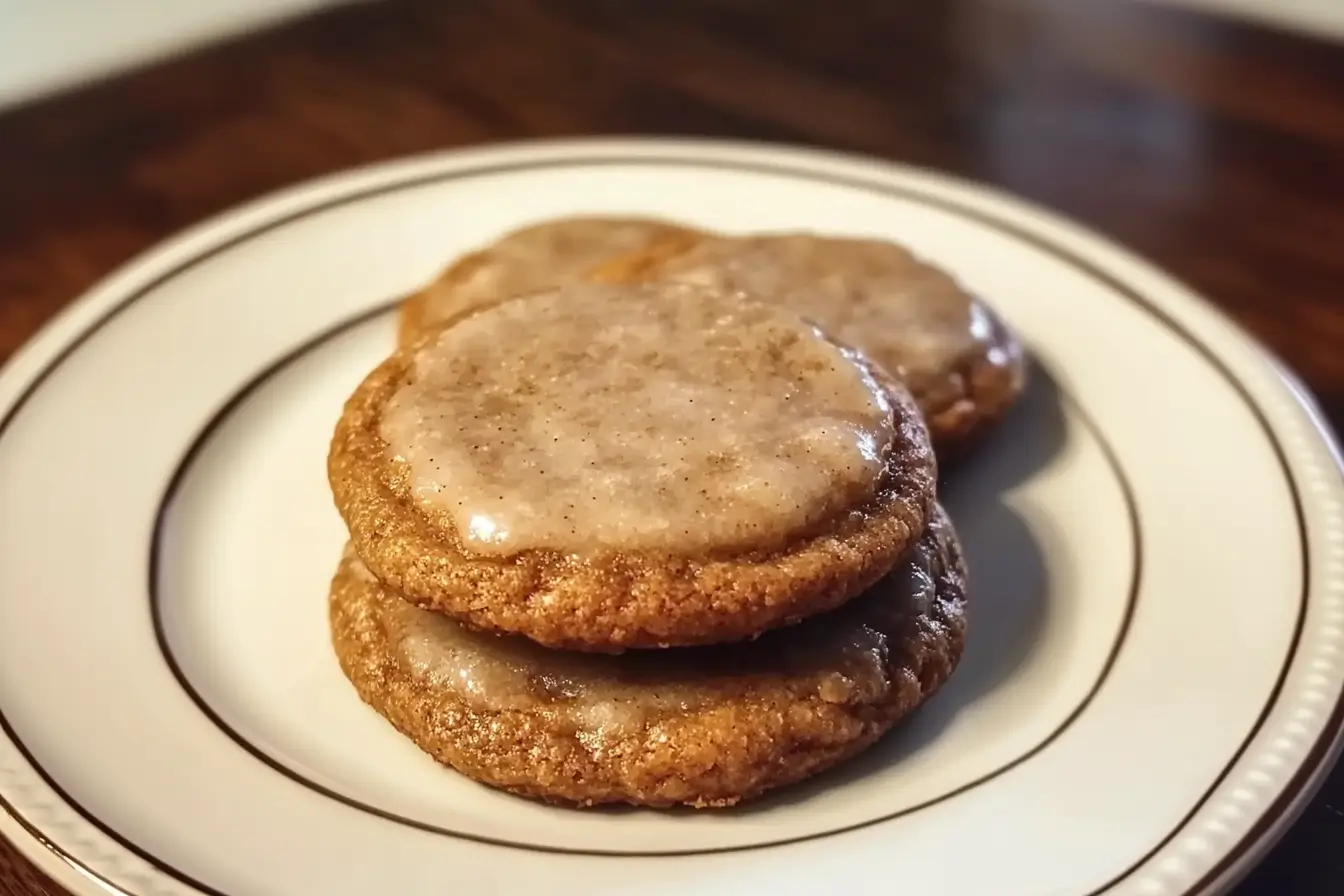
[{"x": 1030, "y": 437}]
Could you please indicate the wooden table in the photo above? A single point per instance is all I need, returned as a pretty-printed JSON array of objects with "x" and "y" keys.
[{"x": 1215, "y": 149}]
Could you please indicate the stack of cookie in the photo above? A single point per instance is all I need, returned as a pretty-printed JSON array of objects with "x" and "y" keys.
[{"x": 644, "y": 515}]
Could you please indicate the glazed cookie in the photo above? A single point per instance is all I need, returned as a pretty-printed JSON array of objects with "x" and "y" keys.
[
  {"x": 705, "y": 726},
  {"x": 602, "y": 467},
  {"x": 536, "y": 257},
  {"x": 959, "y": 359}
]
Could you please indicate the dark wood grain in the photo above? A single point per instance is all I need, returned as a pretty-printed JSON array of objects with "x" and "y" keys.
[{"x": 1215, "y": 149}]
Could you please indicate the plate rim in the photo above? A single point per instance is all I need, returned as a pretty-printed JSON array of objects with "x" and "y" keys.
[{"x": 67, "y": 331}]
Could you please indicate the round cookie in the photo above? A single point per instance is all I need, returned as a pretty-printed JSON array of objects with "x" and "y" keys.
[
  {"x": 531, "y": 258},
  {"x": 704, "y": 726},
  {"x": 604, "y": 467},
  {"x": 954, "y": 353}
]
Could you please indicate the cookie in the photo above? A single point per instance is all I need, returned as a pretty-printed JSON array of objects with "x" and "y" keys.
[
  {"x": 704, "y": 726},
  {"x": 958, "y": 358},
  {"x": 536, "y": 257},
  {"x": 603, "y": 467}
]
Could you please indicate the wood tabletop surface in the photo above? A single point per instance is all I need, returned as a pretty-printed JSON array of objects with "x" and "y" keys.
[{"x": 1215, "y": 149}]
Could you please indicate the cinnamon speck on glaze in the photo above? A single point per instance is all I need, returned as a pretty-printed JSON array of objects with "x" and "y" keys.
[{"x": 706, "y": 726}]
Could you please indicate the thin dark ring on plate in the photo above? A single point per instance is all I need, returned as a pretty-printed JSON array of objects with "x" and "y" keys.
[
  {"x": 202, "y": 439},
  {"x": 1295, "y": 786}
]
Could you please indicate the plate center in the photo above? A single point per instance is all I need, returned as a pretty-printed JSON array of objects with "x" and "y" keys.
[{"x": 242, "y": 616}]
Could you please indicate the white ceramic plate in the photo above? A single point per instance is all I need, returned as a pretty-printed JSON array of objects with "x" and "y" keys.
[{"x": 1156, "y": 543}]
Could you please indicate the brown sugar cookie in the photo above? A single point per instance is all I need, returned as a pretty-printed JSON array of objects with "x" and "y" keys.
[
  {"x": 601, "y": 467},
  {"x": 705, "y": 726},
  {"x": 539, "y": 256},
  {"x": 955, "y": 354}
]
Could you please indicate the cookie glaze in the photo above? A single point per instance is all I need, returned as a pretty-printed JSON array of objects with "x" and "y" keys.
[{"x": 663, "y": 417}]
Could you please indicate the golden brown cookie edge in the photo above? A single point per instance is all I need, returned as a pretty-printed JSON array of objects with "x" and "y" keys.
[{"x": 715, "y": 757}]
